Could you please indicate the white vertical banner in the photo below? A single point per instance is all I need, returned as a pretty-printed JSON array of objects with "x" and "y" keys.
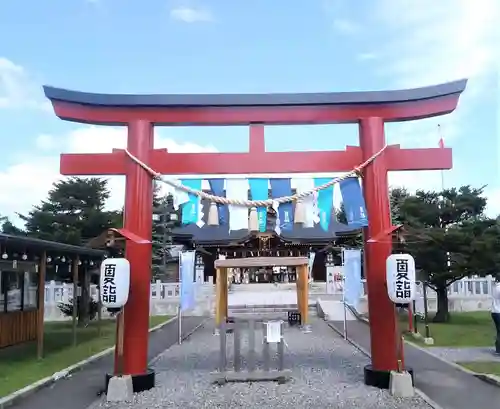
[
  {"x": 305, "y": 185},
  {"x": 187, "y": 265},
  {"x": 353, "y": 286},
  {"x": 310, "y": 263},
  {"x": 330, "y": 279}
]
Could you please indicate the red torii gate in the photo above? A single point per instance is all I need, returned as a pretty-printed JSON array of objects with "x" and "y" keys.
[{"x": 140, "y": 113}]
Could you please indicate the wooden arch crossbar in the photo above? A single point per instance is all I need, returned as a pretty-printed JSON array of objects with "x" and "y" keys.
[
  {"x": 222, "y": 266},
  {"x": 369, "y": 110}
]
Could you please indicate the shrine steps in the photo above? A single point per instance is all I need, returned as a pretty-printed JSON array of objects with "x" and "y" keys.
[{"x": 256, "y": 309}]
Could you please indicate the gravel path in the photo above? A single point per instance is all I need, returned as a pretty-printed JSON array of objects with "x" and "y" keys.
[
  {"x": 328, "y": 373},
  {"x": 468, "y": 354}
]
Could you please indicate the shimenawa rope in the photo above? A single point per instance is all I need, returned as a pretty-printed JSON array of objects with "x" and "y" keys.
[{"x": 255, "y": 203}]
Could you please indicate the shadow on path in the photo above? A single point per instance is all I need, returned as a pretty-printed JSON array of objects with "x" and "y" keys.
[
  {"x": 83, "y": 387},
  {"x": 446, "y": 385}
]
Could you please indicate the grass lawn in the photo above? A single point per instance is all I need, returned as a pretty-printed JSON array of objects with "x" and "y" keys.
[
  {"x": 19, "y": 366},
  {"x": 492, "y": 368},
  {"x": 465, "y": 329}
]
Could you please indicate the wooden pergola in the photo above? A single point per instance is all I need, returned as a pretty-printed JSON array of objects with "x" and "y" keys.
[
  {"x": 222, "y": 265},
  {"x": 21, "y": 255}
]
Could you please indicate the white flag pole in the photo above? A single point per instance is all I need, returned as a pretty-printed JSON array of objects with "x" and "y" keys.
[
  {"x": 179, "y": 308},
  {"x": 343, "y": 295}
]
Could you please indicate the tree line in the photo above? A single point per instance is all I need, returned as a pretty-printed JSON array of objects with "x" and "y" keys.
[{"x": 447, "y": 232}]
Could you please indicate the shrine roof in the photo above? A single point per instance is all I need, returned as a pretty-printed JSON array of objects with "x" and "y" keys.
[
  {"x": 220, "y": 235},
  {"x": 256, "y": 100},
  {"x": 24, "y": 243}
]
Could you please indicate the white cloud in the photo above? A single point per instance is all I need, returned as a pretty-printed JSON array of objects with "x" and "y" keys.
[
  {"x": 428, "y": 43},
  {"x": 366, "y": 56},
  {"x": 191, "y": 15},
  {"x": 345, "y": 26},
  {"x": 28, "y": 181},
  {"x": 17, "y": 88},
  {"x": 433, "y": 42}
]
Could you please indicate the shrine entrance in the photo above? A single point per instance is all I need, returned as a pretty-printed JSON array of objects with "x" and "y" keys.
[{"x": 372, "y": 160}]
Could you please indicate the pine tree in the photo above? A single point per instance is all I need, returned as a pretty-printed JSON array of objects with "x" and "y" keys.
[{"x": 165, "y": 218}]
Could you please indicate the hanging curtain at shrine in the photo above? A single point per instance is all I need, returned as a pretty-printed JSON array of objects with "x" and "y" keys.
[
  {"x": 217, "y": 188},
  {"x": 324, "y": 203},
  {"x": 283, "y": 187},
  {"x": 237, "y": 189},
  {"x": 305, "y": 185},
  {"x": 191, "y": 210},
  {"x": 354, "y": 202},
  {"x": 259, "y": 188},
  {"x": 310, "y": 263}
]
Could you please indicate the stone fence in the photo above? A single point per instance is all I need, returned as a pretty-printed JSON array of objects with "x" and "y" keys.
[{"x": 469, "y": 294}]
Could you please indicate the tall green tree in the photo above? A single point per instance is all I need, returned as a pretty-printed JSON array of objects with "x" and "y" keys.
[
  {"x": 73, "y": 212},
  {"x": 450, "y": 238},
  {"x": 165, "y": 218},
  {"x": 7, "y": 227}
]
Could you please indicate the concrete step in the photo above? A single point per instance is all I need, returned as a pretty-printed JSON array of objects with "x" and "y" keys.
[{"x": 263, "y": 309}]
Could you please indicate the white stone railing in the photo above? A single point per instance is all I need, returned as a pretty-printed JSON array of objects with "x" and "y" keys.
[
  {"x": 56, "y": 293},
  {"x": 60, "y": 292}
]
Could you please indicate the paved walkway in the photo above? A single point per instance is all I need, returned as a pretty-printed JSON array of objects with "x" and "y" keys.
[
  {"x": 466, "y": 354},
  {"x": 83, "y": 387},
  {"x": 327, "y": 372},
  {"x": 446, "y": 385}
]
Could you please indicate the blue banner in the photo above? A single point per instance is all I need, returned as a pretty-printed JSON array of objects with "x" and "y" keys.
[
  {"x": 217, "y": 188},
  {"x": 259, "y": 189},
  {"x": 191, "y": 209},
  {"x": 354, "y": 202},
  {"x": 279, "y": 188},
  {"x": 325, "y": 202},
  {"x": 186, "y": 267},
  {"x": 353, "y": 286}
]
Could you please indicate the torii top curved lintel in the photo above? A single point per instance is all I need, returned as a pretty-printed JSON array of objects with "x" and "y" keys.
[{"x": 239, "y": 109}]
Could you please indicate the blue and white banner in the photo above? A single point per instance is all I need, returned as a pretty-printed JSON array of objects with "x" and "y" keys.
[
  {"x": 191, "y": 209},
  {"x": 217, "y": 188},
  {"x": 237, "y": 189},
  {"x": 353, "y": 286},
  {"x": 324, "y": 203},
  {"x": 354, "y": 202},
  {"x": 279, "y": 188},
  {"x": 186, "y": 270},
  {"x": 259, "y": 189}
]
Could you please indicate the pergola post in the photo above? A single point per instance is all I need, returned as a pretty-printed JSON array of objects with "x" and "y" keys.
[
  {"x": 303, "y": 295},
  {"x": 221, "y": 296},
  {"x": 74, "y": 267},
  {"x": 41, "y": 305}
]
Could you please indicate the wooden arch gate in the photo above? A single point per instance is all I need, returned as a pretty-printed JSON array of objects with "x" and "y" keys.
[{"x": 370, "y": 110}]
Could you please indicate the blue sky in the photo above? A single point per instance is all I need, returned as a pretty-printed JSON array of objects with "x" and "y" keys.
[{"x": 181, "y": 46}]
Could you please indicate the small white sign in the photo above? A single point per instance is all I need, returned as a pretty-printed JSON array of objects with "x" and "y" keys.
[
  {"x": 273, "y": 331},
  {"x": 115, "y": 282},
  {"x": 401, "y": 286}
]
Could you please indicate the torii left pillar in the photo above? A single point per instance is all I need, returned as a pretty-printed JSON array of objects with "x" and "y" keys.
[
  {"x": 369, "y": 110},
  {"x": 138, "y": 218}
]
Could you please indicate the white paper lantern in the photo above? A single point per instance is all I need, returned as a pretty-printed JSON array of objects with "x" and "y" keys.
[
  {"x": 115, "y": 282},
  {"x": 401, "y": 286}
]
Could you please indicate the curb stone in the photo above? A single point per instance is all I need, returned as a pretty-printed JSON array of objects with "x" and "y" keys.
[
  {"x": 28, "y": 390},
  {"x": 426, "y": 398},
  {"x": 491, "y": 379}
]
